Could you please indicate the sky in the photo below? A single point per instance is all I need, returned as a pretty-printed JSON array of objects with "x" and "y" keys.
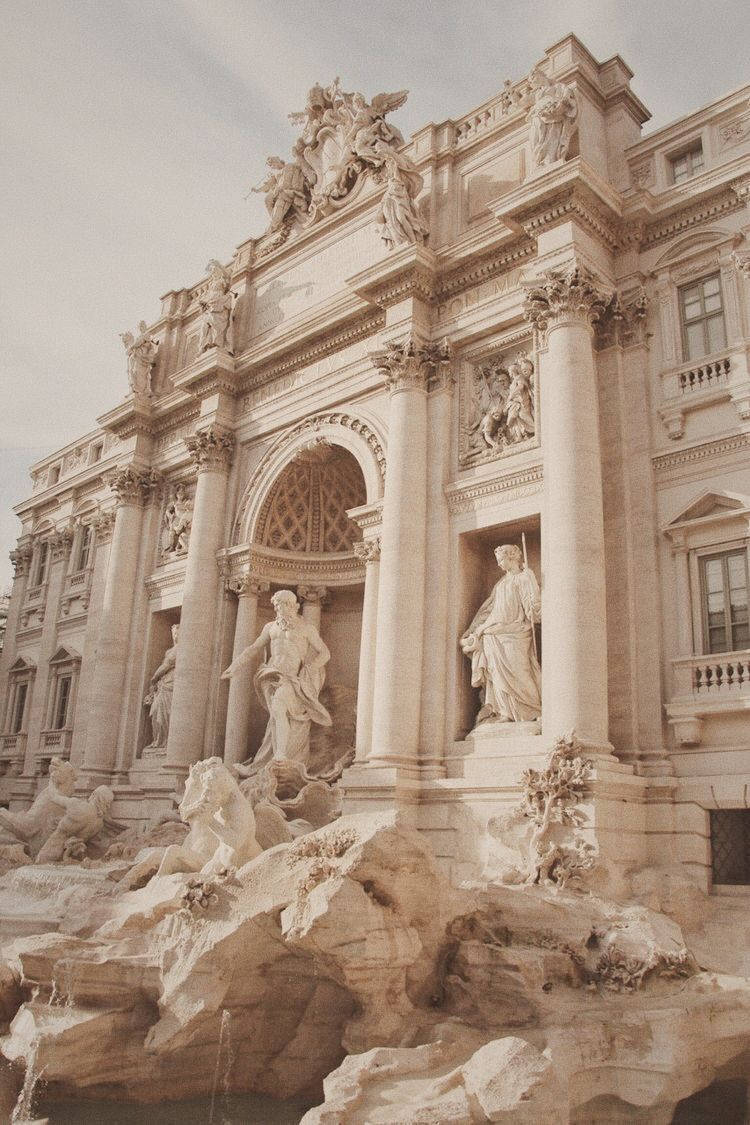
[{"x": 132, "y": 131}]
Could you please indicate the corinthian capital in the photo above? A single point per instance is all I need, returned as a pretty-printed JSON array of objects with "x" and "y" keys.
[
  {"x": 21, "y": 558},
  {"x": 104, "y": 525},
  {"x": 246, "y": 583},
  {"x": 60, "y": 543},
  {"x": 211, "y": 449},
  {"x": 368, "y": 550},
  {"x": 560, "y": 295},
  {"x": 409, "y": 365},
  {"x": 133, "y": 486}
]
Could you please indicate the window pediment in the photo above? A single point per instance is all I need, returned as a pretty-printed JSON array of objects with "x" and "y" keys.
[
  {"x": 710, "y": 507},
  {"x": 20, "y": 665},
  {"x": 65, "y": 656}
]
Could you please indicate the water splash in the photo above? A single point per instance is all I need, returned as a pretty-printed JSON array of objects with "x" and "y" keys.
[
  {"x": 223, "y": 1069},
  {"x": 23, "y": 1109}
]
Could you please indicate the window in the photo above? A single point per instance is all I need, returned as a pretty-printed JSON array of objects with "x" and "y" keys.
[
  {"x": 730, "y": 845},
  {"x": 724, "y": 593},
  {"x": 62, "y": 698},
  {"x": 702, "y": 318},
  {"x": 42, "y": 561},
  {"x": 687, "y": 164},
  {"x": 83, "y": 553},
  {"x": 19, "y": 708}
]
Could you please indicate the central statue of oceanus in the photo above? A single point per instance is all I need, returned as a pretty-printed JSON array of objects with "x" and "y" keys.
[{"x": 288, "y": 682}]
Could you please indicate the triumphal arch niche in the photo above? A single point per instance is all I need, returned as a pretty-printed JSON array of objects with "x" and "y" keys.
[{"x": 307, "y": 523}]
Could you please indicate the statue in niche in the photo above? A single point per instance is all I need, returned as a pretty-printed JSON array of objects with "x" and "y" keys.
[
  {"x": 159, "y": 696},
  {"x": 82, "y": 819},
  {"x": 30, "y": 828},
  {"x": 501, "y": 645},
  {"x": 216, "y": 304},
  {"x": 553, "y": 118},
  {"x": 178, "y": 518},
  {"x": 502, "y": 408},
  {"x": 398, "y": 216},
  {"x": 288, "y": 682},
  {"x": 286, "y": 190},
  {"x": 141, "y": 352}
]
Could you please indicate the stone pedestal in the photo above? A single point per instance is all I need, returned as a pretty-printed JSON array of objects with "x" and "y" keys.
[
  {"x": 563, "y": 307},
  {"x": 211, "y": 450},
  {"x": 106, "y": 699},
  {"x": 239, "y": 707}
]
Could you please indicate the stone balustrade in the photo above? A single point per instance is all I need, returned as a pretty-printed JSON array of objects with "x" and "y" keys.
[
  {"x": 719, "y": 674},
  {"x": 705, "y": 376},
  {"x": 12, "y": 751}
]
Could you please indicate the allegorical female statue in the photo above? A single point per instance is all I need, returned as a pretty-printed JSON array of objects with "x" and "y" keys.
[
  {"x": 288, "y": 682},
  {"x": 159, "y": 697},
  {"x": 500, "y": 644}
]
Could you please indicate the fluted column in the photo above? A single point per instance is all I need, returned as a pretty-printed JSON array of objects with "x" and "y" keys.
[
  {"x": 312, "y": 598},
  {"x": 211, "y": 450},
  {"x": 133, "y": 489},
  {"x": 239, "y": 707},
  {"x": 369, "y": 551},
  {"x": 564, "y": 306},
  {"x": 398, "y": 660}
]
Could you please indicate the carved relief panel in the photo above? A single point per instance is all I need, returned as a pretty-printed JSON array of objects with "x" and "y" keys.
[{"x": 499, "y": 407}]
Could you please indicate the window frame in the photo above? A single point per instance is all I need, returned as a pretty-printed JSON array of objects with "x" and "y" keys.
[
  {"x": 84, "y": 541},
  {"x": 41, "y": 563},
  {"x": 21, "y": 674},
  {"x": 704, "y": 556},
  {"x": 687, "y": 153},
  {"x": 65, "y": 664},
  {"x": 703, "y": 319}
]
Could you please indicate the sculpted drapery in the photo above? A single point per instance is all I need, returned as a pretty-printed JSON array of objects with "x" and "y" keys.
[{"x": 500, "y": 644}]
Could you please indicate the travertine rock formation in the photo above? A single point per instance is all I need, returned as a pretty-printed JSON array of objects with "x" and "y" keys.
[{"x": 346, "y": 956}]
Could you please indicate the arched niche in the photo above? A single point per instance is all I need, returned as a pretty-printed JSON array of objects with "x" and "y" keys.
[{"x": 354, "y": 434}]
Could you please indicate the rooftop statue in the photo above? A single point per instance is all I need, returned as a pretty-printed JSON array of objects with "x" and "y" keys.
[
  {"x": 216, "y": 303},
  {"x": 343, "y": 136},
  {"x": 141, "y": 351},
  {"x": 553, "y": 118}
]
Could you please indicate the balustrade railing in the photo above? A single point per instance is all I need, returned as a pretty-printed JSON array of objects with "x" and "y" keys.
[
  {"x": 718, "y": 674},
  {"x": 704, "y": 376}
]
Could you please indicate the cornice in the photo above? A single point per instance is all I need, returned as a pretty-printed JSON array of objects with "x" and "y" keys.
[
  {"x": 287, "y": 568},
  {"x": 724, "y": 201},
  {"x": 482, "y": 267},
  {"x": 467, "y": 496},
  {"x": 733, "y": 443},
  {"x": 325, "y": 344}
]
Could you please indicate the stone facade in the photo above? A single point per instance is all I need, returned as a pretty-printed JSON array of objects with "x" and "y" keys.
[{"x": 489, "y": 335}]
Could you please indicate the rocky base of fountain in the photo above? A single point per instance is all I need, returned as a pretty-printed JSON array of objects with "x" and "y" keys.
[{"x": 344, "y": 962}]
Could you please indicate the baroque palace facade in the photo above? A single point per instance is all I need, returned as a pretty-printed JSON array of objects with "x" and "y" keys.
[{"x": 527, "y": 326}]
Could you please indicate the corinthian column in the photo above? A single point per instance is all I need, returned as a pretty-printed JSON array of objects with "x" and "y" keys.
[
  {"x": 312, "y": 598},
  {"x": 211, "y": 450},
  {"x": 369, "y": 551},
  {"x": 239, "y": 708},
  {"x": 133, "y": 489},
  {"x": 398, "y": 662},
  {"x": 564, "y": 306}
]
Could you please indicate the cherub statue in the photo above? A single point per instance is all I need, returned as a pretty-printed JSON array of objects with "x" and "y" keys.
[
  {"x": 519, "y": 403},
  {"x": 81, "y": 821},
  {"x": 141, "y": 351},
  {"x": 178, "y": 518},
  {"x": 216, "y": 304},
  {"x": 369, "y": 126},
  {"x": 553, "y": 118},
  {"x": 286, "y": 190}
]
